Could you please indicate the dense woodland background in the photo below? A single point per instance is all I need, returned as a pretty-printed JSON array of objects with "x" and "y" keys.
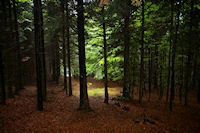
[{"x": 146, "y": 46}]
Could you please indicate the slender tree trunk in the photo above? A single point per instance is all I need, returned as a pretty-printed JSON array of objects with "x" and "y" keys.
[
  {"x": 188, "y": 64},
  {"x": 161, "y": 77},
  {"x": 84, "y": 101},
  {"x": 126, "y": 54},
  {"x": 57, "y": 59},
  {"x": 105, "y": 58},
  {"x": 150, "y": 66},
  {"x": 156, "y": 67},
  {"x": 170, "y": 47},
  {"x": 174, "y": 57},
  {"x": 3, "y": 90},
  {"x": 63, "y": 46},
  {"x": 38, "y": 50},
  {"x": 18, "y": 66},
  {"x": 181, "y": 77},
  {"x": 142, "y": 54},
  {"x": 2, "y": 75},
  {"x": 133, "y": 79},
  {"x": 193, "y": 86},
  {"x": 198, "y": 94},
  {"x": 68, "y": 51},
  {"x": 11, "y": 36},
  {"x": 44, "y": 85}
]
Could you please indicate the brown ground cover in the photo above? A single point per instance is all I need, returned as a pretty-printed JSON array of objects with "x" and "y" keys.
[{"x": 61, "y": 115}]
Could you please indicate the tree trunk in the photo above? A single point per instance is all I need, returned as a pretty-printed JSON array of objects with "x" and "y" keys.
[
  {"x": 63, "y": 46},
  {"x": 193, "y": 86},
  {"x": 174, "y": 57},
  {"x": 126, "y": 54},
  {"x": 68, "y": 52},
  {"x": 105, "y": 58},
  {"x": 44, "y": 85},
  {"x": 156, "y": 67},
  {"x": 142, "y": 54},
  {"x": 57, "y": 59},
  {"x": 170, "y": 47},
  {"x": 11, "y": 69},
  {"x": 18, "y": 65},
  {"x": 2, "y": 74},
  {"x": 188, "y": 64},
  {"x": 198, "y": 94},
  {"x": 161, "y": 76},
  {"x": 3, "y": 90},
  {"x": 149, "y": 78},
  {"x": 181, "y": 77},
  {"x": 84, "y": 101},
  {"x": 38, "y": 50}
]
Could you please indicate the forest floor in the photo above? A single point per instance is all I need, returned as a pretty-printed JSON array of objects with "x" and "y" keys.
[{"x": 61, "y": 115}]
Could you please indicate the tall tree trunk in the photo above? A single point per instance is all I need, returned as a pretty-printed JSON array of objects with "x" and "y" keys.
[
  {"x": 18, "y": 65},
  {"x": 188, "y": 66},
  {"x": 161, "y": 76},
  {"x": 84, "y": 101},
  {"x": 156, "y": 67},
  {"x": 11, "y": 36},
  {"x": 44, "y": 85},
  {"x": 149, "y": 78},
  {"x": 170, "y": 48},
  {"x": 193, "y": 86},
  {"x": 126, "y": 53},
  {"x": 38, "y": 51},
  {"x": 133, "y": 78},
  {"x": 2, "y": 79},
  {"x": 142, "y": 54},
  {"x": 181, "y": 77},
  {"x": 174, "y": 57},
  {"x": 68, "y": 51},
  {"x": 2, "y": 75},
  {"x": 198, "y": 94},
  {"x": 57, "y": 58},
  {"x": 63, "y": 46},
  {"x": 105, "y": 58}
]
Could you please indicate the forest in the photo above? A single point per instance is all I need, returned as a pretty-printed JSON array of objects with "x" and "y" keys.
[{"x": 100, "y": 66}]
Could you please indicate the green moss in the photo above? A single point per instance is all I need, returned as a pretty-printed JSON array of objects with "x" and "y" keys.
[{"x": 99, "y": 91}]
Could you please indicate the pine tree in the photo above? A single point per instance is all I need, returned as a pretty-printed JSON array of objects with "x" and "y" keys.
[
  {"x": 84, "y": 101},
  {"x": 38, "y": 24},
  {"x": 105, "y": 57}
]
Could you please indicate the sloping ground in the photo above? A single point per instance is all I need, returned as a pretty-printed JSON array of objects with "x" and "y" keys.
[{"x": 61, "y": 114}]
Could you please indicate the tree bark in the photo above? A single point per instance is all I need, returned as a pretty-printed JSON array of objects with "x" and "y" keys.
[
  {"x": 44, "y": 85},
  {"x": 193, "y": 86},
  {"x": 84, "y": 101},
  {"x": 18, "y": 65},
  {"x": 198, "y": 94},
  {"x": 2, "y": 79},
  {"x": 68, "y": 51},
  {"x": 105, "y": 58},
  {"x": 188, "y": 64},
  {"x": 57, "y": 59},
  {"x": 181, "y": 77},
  {"x": 2, "y": 74},
  {"x": 149, "y": 78},
  {"x": 174, "y": 57},
  {"x": 38, "y": 50},
  {"x": 11, "y": 66},
  {"x": 126, "y": 53},
  {"x": 161, "y": 76},
  {"x": 64, "y": 47},
  {"x": 170, "y": 47},
  {"x": 142, "y": 56},
  {"x": 156, "y": 67}
]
